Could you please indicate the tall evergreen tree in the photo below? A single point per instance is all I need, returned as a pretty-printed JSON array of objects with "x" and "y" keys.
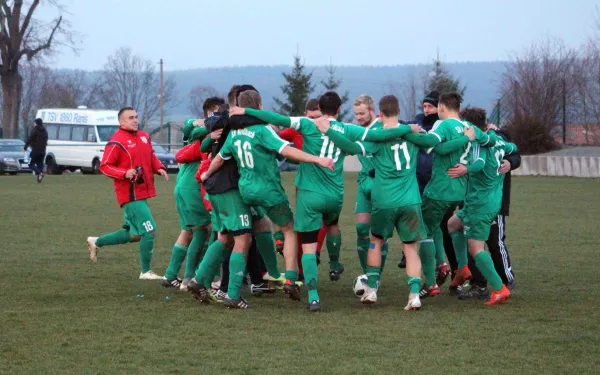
[
  {"x": 296, "y": 90},
  {"x": 333, "y": 84},
  {"x": 442, "y": 80}
]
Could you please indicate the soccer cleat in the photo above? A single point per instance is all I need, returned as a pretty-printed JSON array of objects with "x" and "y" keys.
[
  {"x": 429, "y": 291},
  {"x": 171, "y": 283},
  {"x": 314, "y": 306},
  {"x": 414, "y": 302},
  {"x": 402, "y": 263},
  {"x": 184, "y": 284},
  {"x": 150, "y": 275},
  {"x": 461, "y": 276},
  {"x": 199, "y": 292},
  {"x": 279, "y": 247},
  {"x": 276, "y": 283},
  {"x": 511, "y": 285},
  {"x": 292, "y": 290},
  {"x": 474, "y": 292},
  {"x": 91, "y": 241},
  {"x": 267, "y": 287},
  {"x": 334, "y": 275},
  {"x": 239, "y": 303},
  {"x": 441, "y": 273},
  {"x": 218, "y": 295},
  {"x": 369, "y": 297},
  {"x": 498, "y": 296}
]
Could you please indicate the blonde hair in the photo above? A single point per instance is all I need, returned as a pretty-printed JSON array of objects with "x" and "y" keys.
[
  {"x": 366, "y": 100},
  {"x": 250, "y": 99}
]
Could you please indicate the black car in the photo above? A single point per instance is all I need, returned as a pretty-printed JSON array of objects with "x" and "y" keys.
[
  {"x": 166, "y": 157},
  {"x": 13, "y": 157}
]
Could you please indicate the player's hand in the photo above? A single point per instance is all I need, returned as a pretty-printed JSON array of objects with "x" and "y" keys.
[
  {"x": 470, "y": 132},
  {"x": 199, "y": 122},
  {"x": 457, "y": 171},
  {"x": 326, "y": 163},
  {"x": 164, "y": 173},
  {"x": 236, "y": 111},
  {"x": 216, "y": 134},
  {"x": 204, "y": 176},
  {"x": 416, "y": 128},
  {"x": 505, "y": 167},
  {"x": 492, "y": 127},
  {"x": 322, "y": 124},
  {"x": 130, "y": 174}
]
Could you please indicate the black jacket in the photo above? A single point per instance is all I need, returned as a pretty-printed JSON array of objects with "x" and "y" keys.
[
  {"x": 424, "y": 160},
  {"x": 38, "y": 140},
  {"x": 227, "y": 177},
  {"x": 515, "y": 162}
]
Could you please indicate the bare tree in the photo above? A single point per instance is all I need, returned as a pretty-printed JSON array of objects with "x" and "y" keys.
[
  {"x": 36, "y": 80},
  {"x": 131, "y": 80},
  {"x": 22, "y": 35},
  {"x": 198, "y": 94}
]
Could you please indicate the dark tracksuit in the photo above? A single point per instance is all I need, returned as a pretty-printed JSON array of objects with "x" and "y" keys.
[
  {"x": 38, "y": 140},
  {"x": 495, "y": 243}
]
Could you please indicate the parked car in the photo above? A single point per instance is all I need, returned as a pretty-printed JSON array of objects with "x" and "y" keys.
[
  {"x": 12, "y": 157},
  {"x": 166, "y": 157}
]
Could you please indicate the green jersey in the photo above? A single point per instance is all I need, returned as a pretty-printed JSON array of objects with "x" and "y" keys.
[
  {"x": 255, "y": 150},
  {"x": 366, "y": 160},
  {"x": 312, "y": 177},
  {"x": 484, "y": 182},
  {"x": 186, "y": 177},
  {"x": 395, "y": 184},
  {"x": 441, "y": 186}
]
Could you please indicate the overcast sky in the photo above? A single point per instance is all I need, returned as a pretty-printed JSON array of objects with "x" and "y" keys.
[{"x": 198, "y": 33}]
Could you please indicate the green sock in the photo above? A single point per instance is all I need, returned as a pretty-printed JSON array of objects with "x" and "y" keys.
[
  {"x": 334, "y": 244},
  {"x": 484, "y": 262},
  {"x": 384, "y": 253},
  {"x": 373, "y": 276},
  {"x": 440, "y": 253},
  {"x": 460, "y": 248},
  {"x": 414, "y": 284},
  {"x": 146, "y": 249},
  {"x": 237, "y": 265},
  {"x": 291, "y": 275},
  {"x": 309, "y": 264},
  {"x": 362, "y": 256},
  {"x": 278, "y": 236},
  {"x": 210, "y": 264},
  {"x": 177, "y": 257},
  {"x": 195, "y": 253},
  {"x": 115, "y": 238},
  {"x": 362, "y": 244},
  {"x": 427, "y": 255},
  {"x": 266, "y": 248}
]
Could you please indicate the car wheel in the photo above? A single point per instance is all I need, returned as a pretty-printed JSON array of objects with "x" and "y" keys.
[
  {"x": 96, "y": 166},
  {"x": 52, "y": 167},
  {"x": 13, "y": 173}
]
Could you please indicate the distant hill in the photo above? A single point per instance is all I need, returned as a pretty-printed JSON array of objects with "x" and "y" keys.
[{"x": 481, "y": 78}]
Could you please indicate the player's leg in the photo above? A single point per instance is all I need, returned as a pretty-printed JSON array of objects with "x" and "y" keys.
[
  {"x": 282, "y": 217},
  {"x": 180, "y": 248},
  {"x": 432, "y": 214},
  {"x": 478, "y": 288},
  {"x": 455, "y": 228},
  {"x": 120, "y": 237},
  {"x": 363, "y": 224},
  {"x": 198, "y": 219},
  {"x": 263, "y": 232},
  {"x": 477, "y": 230},
  {"x": 382, "y": 227},
  {"x": 330, "y": 210},
  {"x": 142, "y": 224},
  {"x": 447, "y": 240},
  {"x": 442, "y": 270},
  {"x": 279, "y": 238},
  {"x": 411, "y": 228},
  {"x": 499, "y": 251}
]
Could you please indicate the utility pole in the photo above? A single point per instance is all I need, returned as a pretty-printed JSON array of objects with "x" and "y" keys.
[{"x": 162, "y": 96}]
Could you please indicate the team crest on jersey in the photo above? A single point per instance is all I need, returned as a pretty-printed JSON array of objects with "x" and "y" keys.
[{"x": 143, "y": 138}]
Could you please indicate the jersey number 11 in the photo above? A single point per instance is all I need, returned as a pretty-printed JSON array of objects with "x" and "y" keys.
[{"x": 404, "y": 149}]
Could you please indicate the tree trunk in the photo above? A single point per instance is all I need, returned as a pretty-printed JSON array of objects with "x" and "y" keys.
[{"x": 12, "y": 86}]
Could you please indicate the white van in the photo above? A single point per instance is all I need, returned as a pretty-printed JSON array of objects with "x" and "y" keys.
[{"x": 76, "y": 137}]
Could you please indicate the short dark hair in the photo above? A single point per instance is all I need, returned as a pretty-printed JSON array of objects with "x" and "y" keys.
[
  {"x": 249, "y": 99},
  {"x": 330, "y": 103},
  {"x": 38, "y": 121},
  {"x": 210, "y": 103},
  {"x": 389, "y": 106},
  {"x": 312, "y": 105},
  {"x": 474, "y": 115},
  {"x": 232, "y": 95},
  {"x": 123, "y": 110},
  {"x": 451, "y": 100}
]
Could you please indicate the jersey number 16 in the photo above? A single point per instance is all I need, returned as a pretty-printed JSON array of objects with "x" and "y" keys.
[{"x": 244, "y": 154}]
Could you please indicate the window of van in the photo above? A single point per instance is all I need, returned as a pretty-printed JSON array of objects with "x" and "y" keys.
[
  {"x": 64, "y": 133},
  {"x": 52, "y": 131},
  {"x": 78, "y": 134},
  {"x": 106, "y": 131}
]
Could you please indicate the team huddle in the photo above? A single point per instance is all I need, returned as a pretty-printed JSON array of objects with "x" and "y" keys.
[{"x": 235, "y": 215}]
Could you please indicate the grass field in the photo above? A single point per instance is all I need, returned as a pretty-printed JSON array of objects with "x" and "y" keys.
[{"x": 61, "y": 314}]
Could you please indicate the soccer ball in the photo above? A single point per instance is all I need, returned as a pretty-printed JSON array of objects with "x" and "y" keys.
[{"x": 360, "y": 285}]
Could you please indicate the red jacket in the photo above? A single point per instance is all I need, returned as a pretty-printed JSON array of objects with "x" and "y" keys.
[
  {"x": 293, "y": 136},
  {"x": 127, "y": 150},
  {"x": 201, "y": 169},
  {"x": 191, "y": 153}
]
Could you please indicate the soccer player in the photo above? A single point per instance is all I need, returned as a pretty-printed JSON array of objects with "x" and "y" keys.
[
  {"x": 482, "y": 204},
  {"x": 443, "y": 192},
  {"x": 194, "y": 219},
  {"x": 320, "y": 191},
  {"x": 254, "y": 150},
  {"x": 130, "y": 161}
]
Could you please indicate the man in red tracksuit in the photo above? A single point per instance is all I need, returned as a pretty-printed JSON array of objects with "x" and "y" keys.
[
  {"x": 311, "y": 111},
  {"x": 130, "y": 161}
]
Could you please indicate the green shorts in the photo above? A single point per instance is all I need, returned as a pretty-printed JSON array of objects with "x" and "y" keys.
[
  {"x": 407, "y": 221},
  {"x": 434, "y": 212},
  {"x": 274, "y": 202},
  {"x": 231, "y": 214},
  {"x": 190, "y": 207},
  {"x": 476, "y": 224},
  {"x": 138, "y": 218},
  {"x": 312, "y": 209},
  {"x": 280, "y": 214},
  {"x": 363, "y": 196}
]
